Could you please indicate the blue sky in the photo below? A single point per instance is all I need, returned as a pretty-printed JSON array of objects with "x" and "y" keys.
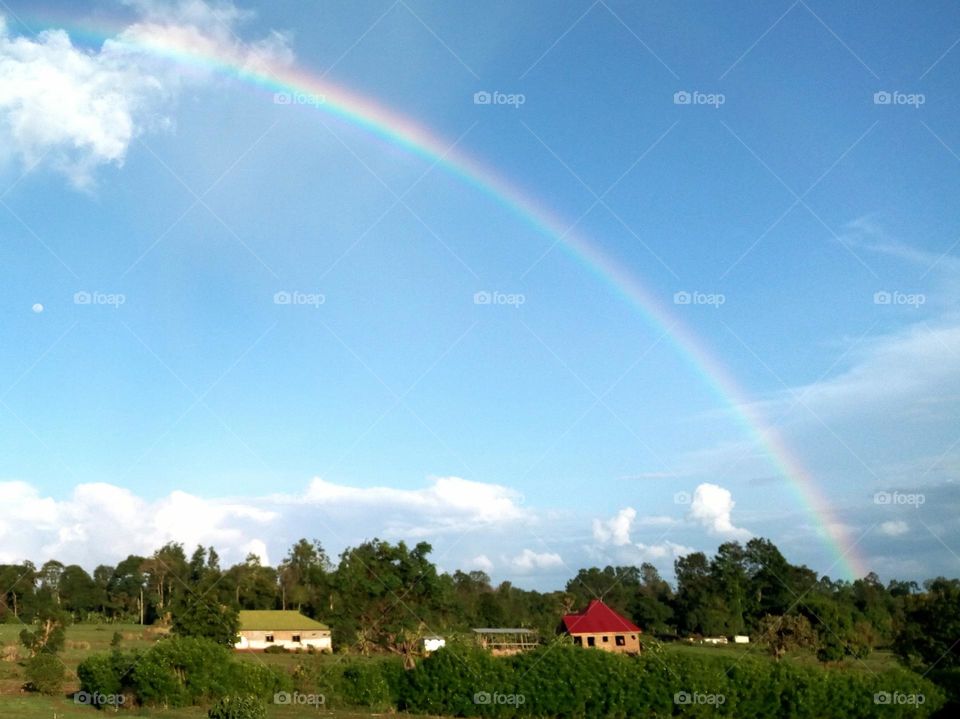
[{"x": 183, "y": 403}]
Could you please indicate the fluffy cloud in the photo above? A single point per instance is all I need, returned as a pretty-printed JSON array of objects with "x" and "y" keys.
[
  {"x": 894, "y": 528},
  {"x": 75, "y": 109},
  {"x": 616, "y": 533},
  {"x": 616, "y": 530},
  {"x": 529, "y": 561},
  {"x": 101, "y": 520},
  {"x": 449, "y": 504},
  {"x": 711, "y": 507},
  {"x": 481, "y": 562},
  {"x": 98, "y": 522}
]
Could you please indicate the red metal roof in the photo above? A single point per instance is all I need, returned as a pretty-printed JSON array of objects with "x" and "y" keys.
[{"x": 596, "y": 619}]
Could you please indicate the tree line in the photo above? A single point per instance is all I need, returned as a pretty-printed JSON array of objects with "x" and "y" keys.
[{"x": 381, "y": 596}]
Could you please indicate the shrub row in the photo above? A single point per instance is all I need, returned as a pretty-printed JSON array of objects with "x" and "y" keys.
[
  {"x": 564, "y": 681},
  {"x": 559, "y": 681},
  {"x": 178, "y": 672}
]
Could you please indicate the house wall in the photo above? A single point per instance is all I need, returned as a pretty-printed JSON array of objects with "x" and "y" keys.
[
  {"x": 257, "y": 640},
  {"x": 631, "y": 642}
]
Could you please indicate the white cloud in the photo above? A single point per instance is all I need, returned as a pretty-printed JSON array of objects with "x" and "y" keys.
[
  {"x": 529, "y": 561},
  {"x": 660, "y": 551},
  {"x": 99, "y": 522},
  {"x": 711, "y": 507},
  {"x": 448, "y": 504},
  {"x": 616, "y": 530},
  {"x": 76, "y": 110},
  {"x": 481, "y": 562},
  {"x": 894, "y": 528}
]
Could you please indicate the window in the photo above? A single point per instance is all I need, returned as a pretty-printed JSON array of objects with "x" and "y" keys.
[
  {"x": 268, "y": 638},
  {"x": 296, "y": 638},
  {"x": 591, "y": 642},
  {"x": 621, "y": 640},
  {"x": 578, "y": 641},
  {"x": 606, "y": 639}
]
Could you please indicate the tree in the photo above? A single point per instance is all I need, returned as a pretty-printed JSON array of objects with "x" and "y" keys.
[
  {"x": 931, "y": 626},
  {"x": 50, "y": 633},
  {"x": 303, "y": 573},
  {"x": 651, "y": 607},
  {"x": 782, "y": 634},
  {"x": 385, "y": 594},
  {"x": 197, "y": 617}
]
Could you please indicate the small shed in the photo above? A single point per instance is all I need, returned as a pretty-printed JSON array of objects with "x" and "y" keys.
[
  {"x": 502, "y": 641},
  {"x": 262, "y": 629},
  {"x": 601, "y": 627}
]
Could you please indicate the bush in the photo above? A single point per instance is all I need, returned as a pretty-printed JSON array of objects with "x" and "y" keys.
[
  {"x": 238, "y": 707},
  {"x": 45, "y": 674},
  {"x": 566, "y": 681},
  {"x": 179, "y": 672}
]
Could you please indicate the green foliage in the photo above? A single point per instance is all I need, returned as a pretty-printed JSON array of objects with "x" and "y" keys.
[
  {"x": 566, "y": 681},
  {"x": 931, "y": 625},
  {"x": 199, "y": 617},
  {"x": 238, "y": 707},
  {"x": 179, "y": 672},
  {"x": 45, "y": 674},
  {"x": 782, "y": 634},
  {"x": 48, "y": 634}
]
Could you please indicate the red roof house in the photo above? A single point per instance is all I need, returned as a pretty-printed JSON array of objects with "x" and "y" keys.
[{"x": 601, "y": 627}]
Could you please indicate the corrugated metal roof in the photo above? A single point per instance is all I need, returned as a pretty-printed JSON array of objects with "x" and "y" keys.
[{"x": 597, "y": 618}]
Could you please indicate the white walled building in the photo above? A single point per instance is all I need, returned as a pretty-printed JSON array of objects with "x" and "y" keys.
[{"x": 262, "y": 629}]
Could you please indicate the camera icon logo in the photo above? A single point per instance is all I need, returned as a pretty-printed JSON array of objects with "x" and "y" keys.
[
  {"x": 82, "y": 298},
  {"x": 283, "y": 698},
  {"x": 482, "y": 698},
  {"x": 681, "y": 498},
  {"x": 882, "y": 298},
  {"x": 282, "y": 98},
  {"x": 282, "y": 298},
  {"x": 682, "y": 298},
  {"x": 681, "y": 698},
  {"x": 482, "y": 98},
  {"x": 482, "y": 298},
  {"x": 682, "y": 97},
  {"x": 882, "y": 698},
  {"x": 882, "y": 98}
]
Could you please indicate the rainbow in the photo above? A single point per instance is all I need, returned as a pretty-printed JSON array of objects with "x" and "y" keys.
[{"x": 366, "y": 113}]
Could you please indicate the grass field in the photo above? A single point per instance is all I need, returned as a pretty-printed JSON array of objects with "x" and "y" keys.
[{"x": 876, "y": 661}]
